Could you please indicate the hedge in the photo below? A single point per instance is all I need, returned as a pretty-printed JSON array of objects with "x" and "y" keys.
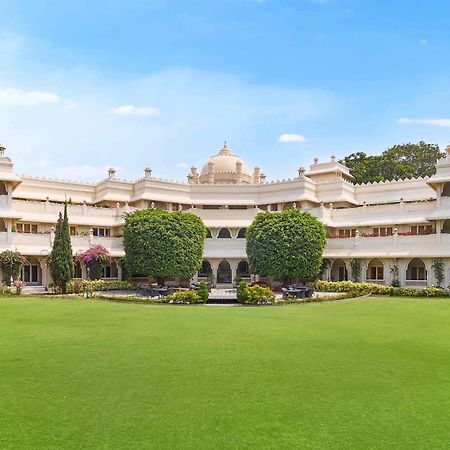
[
  {"x": 79, "y": 286},
  {"x": 358, "y": 289}
]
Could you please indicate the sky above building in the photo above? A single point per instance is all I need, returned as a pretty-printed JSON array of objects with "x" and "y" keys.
[{"x": 87, "y": 85}]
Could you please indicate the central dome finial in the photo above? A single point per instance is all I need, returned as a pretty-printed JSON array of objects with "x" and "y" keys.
[{"x": 225, "y": 150}]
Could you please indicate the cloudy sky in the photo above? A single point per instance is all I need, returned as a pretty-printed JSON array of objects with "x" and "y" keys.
[{"x": 87, "y": 85}]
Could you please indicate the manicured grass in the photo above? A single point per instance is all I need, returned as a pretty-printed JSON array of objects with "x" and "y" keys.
[{"x": 365, "y": 374}]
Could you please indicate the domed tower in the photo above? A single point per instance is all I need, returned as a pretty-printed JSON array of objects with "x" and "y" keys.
[{"x": 225, "y": 168}]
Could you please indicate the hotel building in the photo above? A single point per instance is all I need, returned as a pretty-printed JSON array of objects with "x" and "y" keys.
[{"x": 402, "y": 223}]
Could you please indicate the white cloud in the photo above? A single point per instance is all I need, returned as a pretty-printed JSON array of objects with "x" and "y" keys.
[
  {"x": 181, "y": 165},
  {"x": 18, "y": 97},
  {"x": 445, "y": 123},
  {"x": 291, "y": 138},
  {"x": 131, "y": 110}
]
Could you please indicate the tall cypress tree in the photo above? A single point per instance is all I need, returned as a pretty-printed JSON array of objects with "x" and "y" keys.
[{"x": 61, "y": 259}]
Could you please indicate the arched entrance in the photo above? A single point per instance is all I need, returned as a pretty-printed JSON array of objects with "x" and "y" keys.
[
  {"x": 339, "y": 271},
  {"x": 224, "y": 275},
  {"x": 375, "y": 271},
  {"x": 416, "y": 273},
  {"x": 31, "y": 273}
]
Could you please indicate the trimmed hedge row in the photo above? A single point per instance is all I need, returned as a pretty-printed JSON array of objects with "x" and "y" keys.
[
  {"x": 80, "y": 286},
  {"x": 358, "y": 289}
]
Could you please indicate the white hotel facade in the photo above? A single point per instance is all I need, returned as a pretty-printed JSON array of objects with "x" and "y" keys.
[{"x": 404, "y": 223}]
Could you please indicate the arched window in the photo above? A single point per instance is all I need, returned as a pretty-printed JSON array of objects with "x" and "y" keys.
[
  {"x": 224, "y": 272},
  {"x": 339, "y": 271},
  {"x": 446, "y": 190},
  {"x": 205, "y": 270},
  {"x": 416, "y": 270},
  {"x": 241, "y": 234},
  {"x": 375, "y": 270},
  {"x": 224, "y": 233},
  {"x": 208, "y": 233},
  {"x": 3, "y": 190},
  {"x": 243, "y": 269}
]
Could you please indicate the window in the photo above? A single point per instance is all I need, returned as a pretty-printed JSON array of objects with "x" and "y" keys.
[
  {"x": 73, "y": 231},
  {"x": 421, "y": 229},
  {"x": 29, "y": 273},
  {"x": 110, "y": 271},
  {"x": 346, "y": 233},
  {"x": 26, "y": 228},
  {"x": 241, "y": 234},
  {"x": 376, "y": 273},
  {"x": 382, "y": 231},
  {"x": 102, "y": 232}
]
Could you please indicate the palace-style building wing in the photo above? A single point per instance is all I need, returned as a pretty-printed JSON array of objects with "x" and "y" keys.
[{"x": 402, "y": 223}]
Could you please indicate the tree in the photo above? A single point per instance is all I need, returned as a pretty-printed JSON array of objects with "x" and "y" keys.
[
  {"x": 61, "y": 258},
  {"x": 163, "y": 244},
  {"x": 288, "y": 244},
  {"x": 400, "y": 161}
]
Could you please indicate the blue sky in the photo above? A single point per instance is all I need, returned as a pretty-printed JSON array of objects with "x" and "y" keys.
[{"x": 85, "y": 85}]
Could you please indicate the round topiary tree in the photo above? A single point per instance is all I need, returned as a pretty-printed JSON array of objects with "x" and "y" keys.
[
  {"x": 288, "y": 244},
  {"x": 163, "y": 244}
]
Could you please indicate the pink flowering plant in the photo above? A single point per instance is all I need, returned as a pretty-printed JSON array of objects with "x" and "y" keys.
[
  {"x": 94, "y": 258},
  {"x": 11, "y": 263},
  {"x": 19, "y": 285}
]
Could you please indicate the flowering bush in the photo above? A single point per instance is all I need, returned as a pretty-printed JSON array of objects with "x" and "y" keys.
[
  {"x": 11, "y": 263},
  {"x": 94, "y": 258},
  {"x": 255, "y": 295},
  {"x": 18, "y": 284}
]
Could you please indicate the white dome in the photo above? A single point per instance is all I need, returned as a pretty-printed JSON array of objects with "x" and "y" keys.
[{"x": 224, "y": 165}]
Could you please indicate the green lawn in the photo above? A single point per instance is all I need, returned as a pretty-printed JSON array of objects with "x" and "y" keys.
[{"x": 360, "y": 374}]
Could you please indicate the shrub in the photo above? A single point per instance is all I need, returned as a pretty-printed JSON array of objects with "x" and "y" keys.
[
  {"x": 94, "y": 258},
  {"x": 203, "y": 291},
  {"x": 255, "y": 295},
  {"x": 18, "y": 284},
  {"x": 79, "y": 286},
  {"x": 11, "y": 263},
  {"x": 184, "y": 297},
  {"x": 5, "y": 290},
  {"x": 243, "y": 293},
  {"x": 359, "y": 289}
]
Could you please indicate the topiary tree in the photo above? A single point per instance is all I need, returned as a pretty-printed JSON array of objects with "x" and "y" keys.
[
  {"x": 11, "y": 263},
  {"x": 163, "y": 244},
  {"x": 203, "y": 291},
  {"x": 355, "y": 265},
  {"x": 287, "y": 244},
  {"x": 94, "y": 259},
  {"x": 61, "y": 257}
]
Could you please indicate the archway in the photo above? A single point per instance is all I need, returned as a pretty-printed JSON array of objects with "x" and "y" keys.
[
  {"x": 31, "y": 273},
  {"x": 110, "y": 270},
  {"x": 224, "y": 233},
  {"x": 241, "y": 234},
  {"x": 208, "y": 233},
  {"x": 3, "y": 189},
  {"x": 446, "y": 190},
  {"x": 224, "y": 275},
  {"x": 243, "y": 269},
  {"x": 206, "y": 269},
  {"x": 339, "y": 271},
  {"x": 446, "y": 226},
  {"x": 78, "y": 273},
  {"x": 375, "y": 270},
  {"x": 416, "y": 271}
]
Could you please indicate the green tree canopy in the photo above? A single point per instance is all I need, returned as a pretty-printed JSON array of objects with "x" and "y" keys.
[
  {"x": 61, "y": 258},
  {"x": 400, "y": 161},
  {"x": 163, "y": 244},
  {"x": 288, "y": 244}
]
